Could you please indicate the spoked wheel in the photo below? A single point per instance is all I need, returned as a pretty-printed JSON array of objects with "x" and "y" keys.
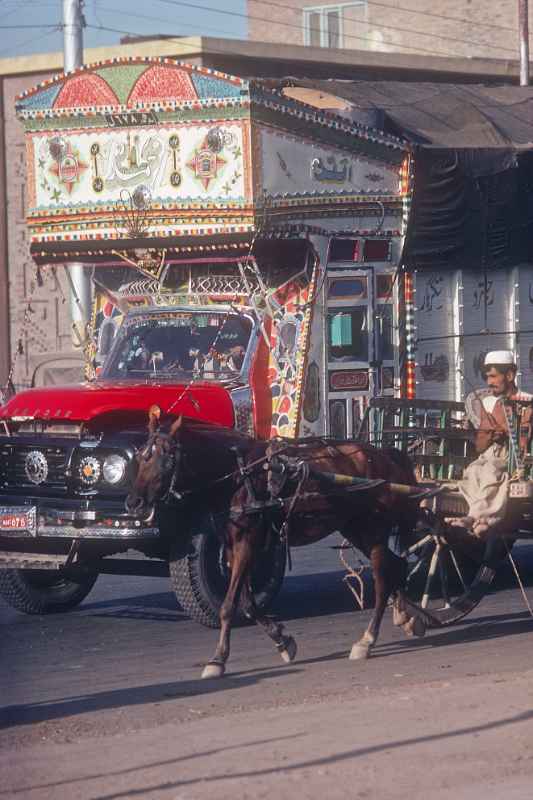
[{"x": 444, "y": 581}]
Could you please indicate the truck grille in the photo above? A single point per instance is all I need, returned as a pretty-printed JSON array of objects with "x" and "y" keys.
[{"x": 45, "y": 469}]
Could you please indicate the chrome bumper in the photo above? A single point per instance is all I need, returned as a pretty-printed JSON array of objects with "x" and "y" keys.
[{"x": 39, "y": 519}]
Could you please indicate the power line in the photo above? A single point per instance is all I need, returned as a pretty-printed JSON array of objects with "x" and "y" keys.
[
  {"x": 181, "y": 3},
  {"x": 30, "y": 41},
  {"x": 411, "y": 31},
  {"x": 175, "y": 38},
  {"x": 279, "y": 22},
  {"x": 419, "y": 13},
  {"x": 109, "y": 10},
  {"x": 436, "y": 16},
  {"x": 168, "y": 37},
  {"x": 21, "y": 27}
]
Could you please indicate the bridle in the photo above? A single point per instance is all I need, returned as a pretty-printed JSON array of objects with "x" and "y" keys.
[{"x": 170, "y": 459}]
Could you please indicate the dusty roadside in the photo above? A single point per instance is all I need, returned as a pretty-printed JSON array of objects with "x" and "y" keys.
[{"x": 468, "y": 737}]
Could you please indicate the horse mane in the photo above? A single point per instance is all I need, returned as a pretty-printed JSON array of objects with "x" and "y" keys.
[{"x": 197, "y": 430}]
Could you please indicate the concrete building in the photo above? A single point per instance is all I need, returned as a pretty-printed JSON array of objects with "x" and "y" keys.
[
  {"x": 458, "y": 28},
  {"x": 35, "y": 324}
]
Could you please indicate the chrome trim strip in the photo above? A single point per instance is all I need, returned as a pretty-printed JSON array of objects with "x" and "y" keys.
[{"x": 68, "y": 531}]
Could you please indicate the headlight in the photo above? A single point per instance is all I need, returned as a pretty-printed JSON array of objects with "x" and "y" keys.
[{"x": 114, "y": 468}]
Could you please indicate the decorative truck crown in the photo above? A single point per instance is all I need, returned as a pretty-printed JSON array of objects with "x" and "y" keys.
[{"x": 155, "y": 151}]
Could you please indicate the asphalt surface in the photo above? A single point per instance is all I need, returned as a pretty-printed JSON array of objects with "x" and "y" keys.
[{"x": 94, "y": 701}]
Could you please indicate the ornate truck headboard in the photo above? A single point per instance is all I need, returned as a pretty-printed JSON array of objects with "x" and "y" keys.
[{"x": 146, "y": 147}]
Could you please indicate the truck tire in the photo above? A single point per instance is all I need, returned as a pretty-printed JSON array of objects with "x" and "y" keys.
[
  {"x": 43, "y": 591},
  {"x": 200, "y": 577}
]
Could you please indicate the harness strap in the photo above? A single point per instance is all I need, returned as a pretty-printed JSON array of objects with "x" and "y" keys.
[{"x": 303, "y": 470}]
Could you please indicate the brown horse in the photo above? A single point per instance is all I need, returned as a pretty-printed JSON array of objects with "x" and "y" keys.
[{"x": 288, "y": 489}]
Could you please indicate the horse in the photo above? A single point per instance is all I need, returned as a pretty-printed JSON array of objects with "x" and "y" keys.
[{"x": 287, "y": 488}]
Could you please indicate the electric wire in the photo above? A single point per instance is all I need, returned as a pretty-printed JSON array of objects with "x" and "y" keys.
[
  {"x": 420, "y": 13},
  {"x": 108, "y": 10},
  {"x": 198, "y": 6},
  {"x": 413, "y": 31},
  {"x": 24, "y": 27},
  {"x": 9, "y": 50},
  {"x": 227, "y": 12}
]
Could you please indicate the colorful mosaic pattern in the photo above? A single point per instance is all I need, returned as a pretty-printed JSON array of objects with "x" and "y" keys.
[
  {"x": 124, "y": 82},
  {"x": 85, "y": 90},
  {"x": 88, "y": 185},
  {"x": 160, "y": 83},
  {"x": 286, "y": 363}
]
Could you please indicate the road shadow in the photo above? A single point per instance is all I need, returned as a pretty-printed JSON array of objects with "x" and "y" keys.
[
  {"x": 387, "y": 745},
  {"x": 31, "y": 713},
  {"x": 318, "y": 594},
  {"x": 312, "y": 595},
  {"x": 151, "y": 765},
  {"x": 161, "y": 600},
  {"x": 302, "y": 596},
  {"x": 478, "y": 630}
]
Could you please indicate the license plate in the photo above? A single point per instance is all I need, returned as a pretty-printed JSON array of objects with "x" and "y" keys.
[
  {"x": 521, "y": 489},
  {"x": 18, "y": 521}
]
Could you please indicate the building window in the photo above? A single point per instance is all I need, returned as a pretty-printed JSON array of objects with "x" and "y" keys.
[{"x": 324, "y": 25}]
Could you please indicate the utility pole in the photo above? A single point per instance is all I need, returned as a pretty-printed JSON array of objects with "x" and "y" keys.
[
  {"x": 523, "y": 32},
  {"x": 73, "y": 23},
  {"x": 80, "y": 283}
]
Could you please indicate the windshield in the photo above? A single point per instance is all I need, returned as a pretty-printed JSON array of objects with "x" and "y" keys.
[{"x": 208, "y": 345}]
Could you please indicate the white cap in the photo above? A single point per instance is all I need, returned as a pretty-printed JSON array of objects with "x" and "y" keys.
[{"x": 500, "y": 358}]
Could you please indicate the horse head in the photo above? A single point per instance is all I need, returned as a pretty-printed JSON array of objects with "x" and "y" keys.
[{"x": 157, "y": 462}]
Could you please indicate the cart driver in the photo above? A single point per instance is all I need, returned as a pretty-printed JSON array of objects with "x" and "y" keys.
[{"x": 485, "y": 483}]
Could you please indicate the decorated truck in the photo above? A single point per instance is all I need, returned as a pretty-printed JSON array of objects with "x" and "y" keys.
[{"x": 242, "y": 242}]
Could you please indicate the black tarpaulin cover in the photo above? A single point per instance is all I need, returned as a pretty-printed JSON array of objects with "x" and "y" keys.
[{"x": 473, "y": 146}]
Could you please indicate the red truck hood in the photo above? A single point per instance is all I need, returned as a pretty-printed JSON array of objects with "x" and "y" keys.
[{"x": 84, "y": 402}]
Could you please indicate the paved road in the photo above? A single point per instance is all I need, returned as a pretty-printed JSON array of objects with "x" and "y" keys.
[{"x": 105, "y": 702}]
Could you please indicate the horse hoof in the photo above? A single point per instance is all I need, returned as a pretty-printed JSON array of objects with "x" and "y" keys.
[
  {"x": 415, "y": 627},
  {"x": 359, "y": 652},
  {"x": 213, "y": 671},
  {"x": 288, "y": 653}
]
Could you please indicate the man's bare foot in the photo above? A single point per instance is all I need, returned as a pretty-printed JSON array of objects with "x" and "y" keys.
[{"x": 460, "y": 522}]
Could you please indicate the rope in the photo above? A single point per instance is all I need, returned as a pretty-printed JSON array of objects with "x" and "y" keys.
[
  {"x": 519, "y": 579},
  {"x": 354, "y": 575}
]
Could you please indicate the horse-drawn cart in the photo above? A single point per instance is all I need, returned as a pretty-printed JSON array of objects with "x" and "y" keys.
[{"x": 450, "y": 570}]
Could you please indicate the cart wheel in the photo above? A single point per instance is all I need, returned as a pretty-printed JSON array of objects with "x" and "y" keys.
[
  {"x": 444, "y": 581},
  {"x": 200, "y": 577},
  {"x": 35, "y": 591}
]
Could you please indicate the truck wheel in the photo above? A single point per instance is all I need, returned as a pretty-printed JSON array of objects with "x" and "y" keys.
[
  {"x": 44, "y": 592},
  {"x": 200, "y": 577}
]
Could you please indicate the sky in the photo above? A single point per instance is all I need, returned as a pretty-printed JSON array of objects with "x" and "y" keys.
[{"x": 223, "y": 18}]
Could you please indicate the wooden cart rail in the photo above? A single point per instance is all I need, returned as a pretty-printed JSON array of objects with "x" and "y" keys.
[{"x": 430, "y": 431}]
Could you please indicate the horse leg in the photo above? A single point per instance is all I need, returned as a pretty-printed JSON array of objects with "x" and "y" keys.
[
  {"x": 378, "y": 558},
  {"x": 285, "y": 645},
  {"x": 404, "y": 614},
  {"x": 240, "y": 560}
]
